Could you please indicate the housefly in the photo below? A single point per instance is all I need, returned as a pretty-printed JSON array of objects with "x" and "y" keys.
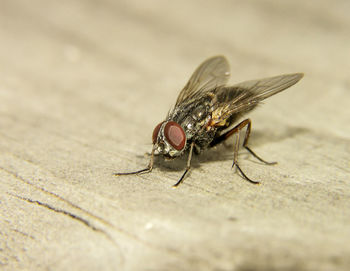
[{"x": 206, "y": 112}]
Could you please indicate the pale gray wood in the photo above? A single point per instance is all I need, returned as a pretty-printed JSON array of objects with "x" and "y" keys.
[{"x": 83, "y": 84}]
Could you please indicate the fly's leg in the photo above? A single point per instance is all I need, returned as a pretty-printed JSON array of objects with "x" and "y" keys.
[
  {"x": 248, "y": 123},
  {"x": 236, "y": 130},
  {"x": 187, "y": 167},
  {"x": 235, "y": 152},
  {"x": 141, "y": 171}
]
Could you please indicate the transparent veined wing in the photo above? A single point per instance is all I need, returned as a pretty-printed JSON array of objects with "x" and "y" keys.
[
  {"x": 212, "y": 73},
  {"x": 245, "y": 96}
]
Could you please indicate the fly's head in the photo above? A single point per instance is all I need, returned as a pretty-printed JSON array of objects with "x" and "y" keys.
[{"x": 169, "y": 139}]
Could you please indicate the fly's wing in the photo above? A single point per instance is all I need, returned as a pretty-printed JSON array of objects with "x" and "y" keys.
[
  {"x": 245, "y": 96},
  {"x": 212, "y": 73}
]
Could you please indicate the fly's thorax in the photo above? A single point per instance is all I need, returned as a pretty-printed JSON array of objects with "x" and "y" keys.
[
  {"x": 194, "y": 118},
  {"x": 169, "y": 139}
]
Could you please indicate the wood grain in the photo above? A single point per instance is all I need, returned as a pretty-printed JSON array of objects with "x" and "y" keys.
[{"x": 83, "y": 84}]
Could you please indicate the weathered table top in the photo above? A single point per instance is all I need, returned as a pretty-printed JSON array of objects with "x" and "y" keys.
[{"x": 82, "y": 85}]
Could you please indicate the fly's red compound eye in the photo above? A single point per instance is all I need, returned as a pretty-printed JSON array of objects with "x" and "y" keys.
[
  {"x": 156, "y": 132},
  {"x": 175, "y": 135}
]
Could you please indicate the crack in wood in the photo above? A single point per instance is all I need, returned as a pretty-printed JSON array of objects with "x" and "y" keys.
[
  {"x": 14, "y": 174},
  {"x": 62, "y": 211},
  {"x": 74, "y": 217},
  {"x": 23, "y": 233}
]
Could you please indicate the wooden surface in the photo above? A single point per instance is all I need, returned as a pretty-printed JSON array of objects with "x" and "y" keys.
[{"x": 83, "y": 84}]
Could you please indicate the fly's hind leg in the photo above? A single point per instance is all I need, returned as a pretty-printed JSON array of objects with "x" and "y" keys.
[
  {"x": 235, "y": 152},
  {"x": 236, "y": 130},
  {"x": 245, "y": 142}
]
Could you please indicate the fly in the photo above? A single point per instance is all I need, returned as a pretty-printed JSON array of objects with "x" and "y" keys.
[{"x": 206, "y": 112}]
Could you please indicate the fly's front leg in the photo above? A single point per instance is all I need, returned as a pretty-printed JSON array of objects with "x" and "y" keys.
[
  {"x": 187, "y": 167},
  {"x": 141, "y": 171}
]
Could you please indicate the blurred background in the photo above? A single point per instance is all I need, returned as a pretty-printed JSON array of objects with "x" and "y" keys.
[{"x": 91, "y": 49}]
